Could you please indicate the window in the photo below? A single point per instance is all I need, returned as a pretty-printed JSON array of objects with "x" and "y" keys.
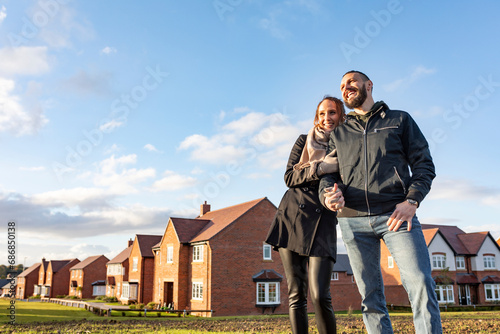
[
  {"x": 335, "y": 276},
  {"x": 492, "y": 291},
  {"x": 438, "y": 261},
  {"x": 197, "y": 291},
  {"x": 135, "y": 262},
  {"x": 129, "y": 291},
  {"x": 267, "y": 252},
  {"x": 170, "y": 254},
  {"x": 460, "y": 260},
  {"x": 390, "y": 262},
  {"x": 489, "y": 261},
  {"x": 198, "y": 253},
  {"x": 445, "y": 293},
  {"x": 268, "y": 293}
]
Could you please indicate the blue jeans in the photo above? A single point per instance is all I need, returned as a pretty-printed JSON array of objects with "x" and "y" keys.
[{"x": 362, "y": 236}]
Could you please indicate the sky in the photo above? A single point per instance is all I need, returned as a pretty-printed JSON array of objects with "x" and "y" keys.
[{"x": 115, "y": 116}]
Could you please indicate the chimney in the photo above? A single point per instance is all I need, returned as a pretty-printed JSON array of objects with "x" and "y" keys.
[
  {"x": 130, "y": 242},
  {"x": 204, "y": 208}
]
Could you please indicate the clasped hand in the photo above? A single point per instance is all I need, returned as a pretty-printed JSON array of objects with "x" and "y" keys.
[{"x": 334, "y": 199}]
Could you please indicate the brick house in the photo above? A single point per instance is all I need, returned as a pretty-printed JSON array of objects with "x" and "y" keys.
[
  {"x": 88, "y": 278},
  {"x": 345, "y": 294},
  {"x": 464, "y": 267},
  {"x": 117, "y": 272},
  {"x": 26, "y": 281},
  {"x": 219, "y": 261},
  {"x": 57, "y": 278},
  {"x": 139, "y": 287},
  {"x": 37, "y": 289}
]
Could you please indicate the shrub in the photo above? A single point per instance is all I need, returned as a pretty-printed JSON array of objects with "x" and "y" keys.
[
  {"x": 151, "y": 306},
  {"x": 123, "y": 313},
  {"x": 158, "y": 314},
  {"x": 132, "y": 307},
  {"x": 140, "y": 306}
]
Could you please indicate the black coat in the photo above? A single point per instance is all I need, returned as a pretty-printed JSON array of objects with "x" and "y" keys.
[{"x": 302, "y": 224}]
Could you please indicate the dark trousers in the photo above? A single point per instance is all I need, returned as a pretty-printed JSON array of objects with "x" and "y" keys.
[{"x": 313, "y": 273}]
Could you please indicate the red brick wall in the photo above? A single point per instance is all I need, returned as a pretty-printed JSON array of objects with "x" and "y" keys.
[
  {"x": 60, "y": 280},
  {"x": 94, "y": 271},
  {"x": 236, "y": 255},
  {"x": 27, "y": 285},
  {"x": 345, "y": 293}
]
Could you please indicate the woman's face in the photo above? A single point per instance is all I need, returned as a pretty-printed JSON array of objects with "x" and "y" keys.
[{"x": 328, "y": 116}]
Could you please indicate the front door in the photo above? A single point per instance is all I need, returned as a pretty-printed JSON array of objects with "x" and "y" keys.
[
  {"x": 168, "y": 293},
  {"x": 464, "y": 294}
]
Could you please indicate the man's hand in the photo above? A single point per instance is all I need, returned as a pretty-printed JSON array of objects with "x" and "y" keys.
[
  {"x": 404, "y": 212},
  {"x": 334, "y": 200}
]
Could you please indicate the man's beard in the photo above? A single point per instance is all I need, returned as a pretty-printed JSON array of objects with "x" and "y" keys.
[{"x": 359, "y": 100}]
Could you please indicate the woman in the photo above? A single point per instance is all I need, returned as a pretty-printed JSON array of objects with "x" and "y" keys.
[{"x": 303, "y": 230}]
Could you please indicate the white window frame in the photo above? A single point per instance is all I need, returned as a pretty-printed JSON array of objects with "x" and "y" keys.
[
  {"x": 198, "y": 253},
  {"x": 197, "y": 291},
  {"x": 390, "y": 262},
  {"x": 438, "y": 261},
  {"x": 268, "y": 293},
  {"x": 489, "y": 262},
  {"x": 135, "y": 263},
  {"x": 335, "y": 276},
  {"x": 266, "y": 252},
  {"x": 460, "y": 262},
  {"x": 494, "y": 292},
  {"x": 445, "y": 294},
  {"x": 170, "y": 254}
]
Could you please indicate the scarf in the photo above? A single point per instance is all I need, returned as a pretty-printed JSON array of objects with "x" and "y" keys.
[{"x": 314, "y": 151}]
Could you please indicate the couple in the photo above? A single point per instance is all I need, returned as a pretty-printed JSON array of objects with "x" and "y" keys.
[{"x": 356, "y": 168}]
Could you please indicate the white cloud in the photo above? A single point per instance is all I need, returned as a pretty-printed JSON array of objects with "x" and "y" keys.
[
  {"x": 3, "y": 14},
  {"x": 172, "y": 181},
  {"x": 245, "y": 140},
  {"x": 113, "y": 174},
  {"x": 111, "y": 125},
  {"x": 33, "y": 169},
  {"x": 24, "y": 60},
  {"x": 419, "y": 72},
  {"x": 150, "y": 148},
  {"x": 13, "y": 117},
  {"x": 449, "y": 189},
  {"x": 108, "y": 50}
]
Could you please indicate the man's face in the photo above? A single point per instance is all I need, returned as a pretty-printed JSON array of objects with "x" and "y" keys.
[{"x": 353, "y": 90}]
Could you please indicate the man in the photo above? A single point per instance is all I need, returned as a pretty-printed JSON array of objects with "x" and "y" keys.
[{"x": 376, "y": 198}]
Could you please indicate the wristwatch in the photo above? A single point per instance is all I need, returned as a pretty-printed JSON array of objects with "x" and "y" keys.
[{"x": 412, "y": 202}]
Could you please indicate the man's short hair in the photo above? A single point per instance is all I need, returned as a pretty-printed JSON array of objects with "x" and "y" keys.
[{"x": 365, "y": 77}]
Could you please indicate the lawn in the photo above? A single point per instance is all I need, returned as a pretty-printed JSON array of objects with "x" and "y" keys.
[{"x": 36, "y": 317}]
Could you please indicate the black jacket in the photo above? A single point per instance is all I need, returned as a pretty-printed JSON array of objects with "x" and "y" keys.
[
  {"x": 375, "y": 162},
  {"x": 302, "y": 224}
]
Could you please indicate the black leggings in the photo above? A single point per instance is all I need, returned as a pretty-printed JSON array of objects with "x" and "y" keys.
[{"x": 317, "y": 278}]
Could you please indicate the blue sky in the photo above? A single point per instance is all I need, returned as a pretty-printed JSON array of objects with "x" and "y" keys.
[{"x": 115, "y": 117}]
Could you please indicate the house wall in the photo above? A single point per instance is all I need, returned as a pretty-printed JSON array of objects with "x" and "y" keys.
[
  {"x": 165, "y": 271},
  {"x": 27, "y": 285},
  {"x": 439, "y": 245},
  {"x": 59, "y": 285},
  {"x": 119, "y": 279},
  {"x": 345, "y": 293},
  {"x": 144, "y": 274},
  {"x": 236, "y": 255},
  {"x": 95, "y": 271}
]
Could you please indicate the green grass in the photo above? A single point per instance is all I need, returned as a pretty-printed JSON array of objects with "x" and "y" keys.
[{"x": 37, "y": 317}]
